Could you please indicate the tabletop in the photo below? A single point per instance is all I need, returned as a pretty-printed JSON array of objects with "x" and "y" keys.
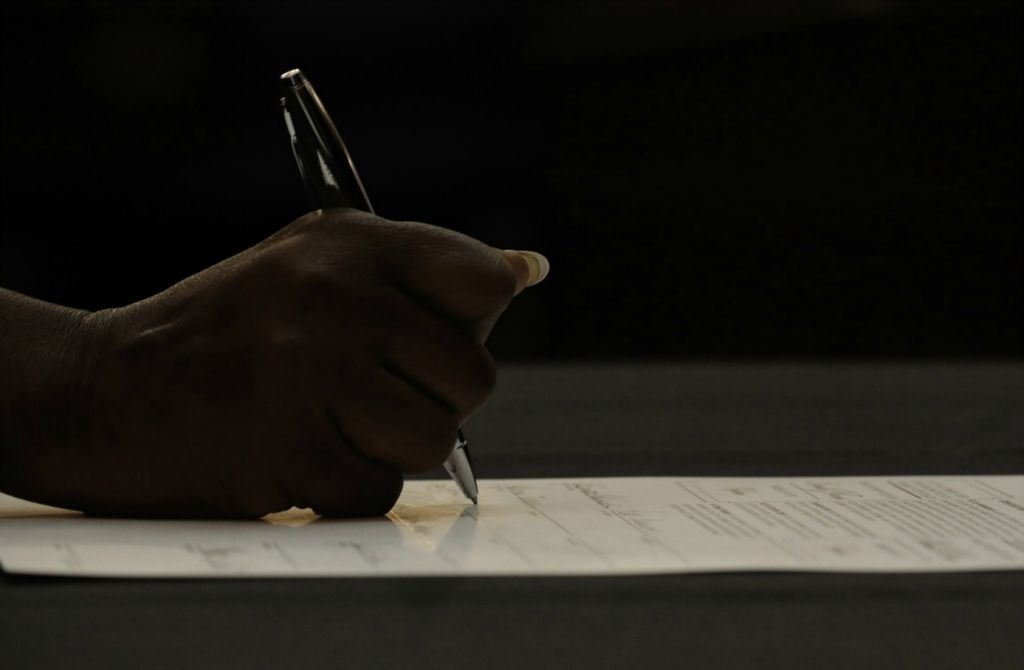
[{"x": 810, "y": 418}]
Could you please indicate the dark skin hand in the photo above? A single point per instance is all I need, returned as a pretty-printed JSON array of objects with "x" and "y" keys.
[{"x": 310, "y": 370}]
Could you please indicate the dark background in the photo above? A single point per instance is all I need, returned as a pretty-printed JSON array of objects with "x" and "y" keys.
[{"x": 709, "y": 180}]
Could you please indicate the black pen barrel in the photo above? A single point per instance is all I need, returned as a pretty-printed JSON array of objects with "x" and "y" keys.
[{"x": 327, "y": 169}]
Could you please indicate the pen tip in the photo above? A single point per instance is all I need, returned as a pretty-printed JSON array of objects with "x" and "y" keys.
[{"x": 474, "y": 500}]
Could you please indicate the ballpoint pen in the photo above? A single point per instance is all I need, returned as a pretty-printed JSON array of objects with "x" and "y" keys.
[{"x": 332, "y": 181}]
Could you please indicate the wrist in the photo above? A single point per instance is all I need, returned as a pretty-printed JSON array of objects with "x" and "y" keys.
[{"x": 48, "y": 354}]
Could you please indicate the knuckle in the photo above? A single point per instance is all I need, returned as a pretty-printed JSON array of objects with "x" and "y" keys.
[
  {"x": 373, "y": 447},
  {"x": 372, "y": 498},
  {"x": 382, "y": 498},
  {"x": 433, "y": 442},
  {"x": 341, "y": 224},
  {"x": 327, "y": 219},
  {"x": 313, "y": 274},
  {"x": 308, "y": 220},
  {"x": 482, "y": 377},
  {"x": 487, "y": 373}
]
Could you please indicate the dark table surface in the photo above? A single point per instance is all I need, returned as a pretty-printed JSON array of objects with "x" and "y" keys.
[{"x": 629, "y": 419}]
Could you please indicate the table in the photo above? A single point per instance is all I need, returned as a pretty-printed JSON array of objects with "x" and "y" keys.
[{"x": 613, "y": 419}]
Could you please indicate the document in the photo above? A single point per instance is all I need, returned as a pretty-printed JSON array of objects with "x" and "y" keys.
[{"x": 587, "y": 526}]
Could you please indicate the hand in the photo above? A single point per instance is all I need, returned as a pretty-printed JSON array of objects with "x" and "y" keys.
[{"x": 310, "y": 370}]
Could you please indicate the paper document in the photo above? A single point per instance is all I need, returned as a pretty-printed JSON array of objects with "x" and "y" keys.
[{"x": 602, "y": 526}]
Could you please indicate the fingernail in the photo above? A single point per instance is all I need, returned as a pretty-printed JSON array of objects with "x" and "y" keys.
[{"x": 538, "y": 265}]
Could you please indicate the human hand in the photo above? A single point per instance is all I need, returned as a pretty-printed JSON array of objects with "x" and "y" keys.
[{"x": 310, "y": 370}]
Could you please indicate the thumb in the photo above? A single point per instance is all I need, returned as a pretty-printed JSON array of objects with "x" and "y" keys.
[{"x": 529, "y": 267}]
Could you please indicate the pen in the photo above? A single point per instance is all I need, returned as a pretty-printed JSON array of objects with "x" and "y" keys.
[{"x": 332, "y": 181}]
